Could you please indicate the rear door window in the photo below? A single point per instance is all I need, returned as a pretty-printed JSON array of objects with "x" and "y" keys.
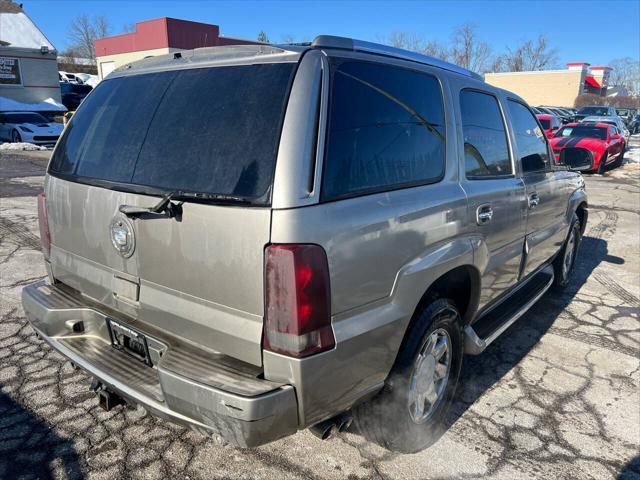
[
  {"x": 206, "y": 130},
  {"x": 486, "y": 153},
  {"x": 531, "y": 143},
  {"x": 386, "y": 130}
]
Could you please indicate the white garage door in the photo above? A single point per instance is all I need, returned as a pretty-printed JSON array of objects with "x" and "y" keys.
[{"x": 106, "y": 68}]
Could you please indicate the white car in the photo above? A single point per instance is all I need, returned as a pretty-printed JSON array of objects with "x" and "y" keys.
[
  {"x": 611, "y": 120},
  {"x": 29, "y": 127},
  {"x": 69, "y": 77},
  {"x": 88, "y": 79}
]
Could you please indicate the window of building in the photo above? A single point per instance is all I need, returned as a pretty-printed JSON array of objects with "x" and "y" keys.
[{"x": 386, "y": 130}]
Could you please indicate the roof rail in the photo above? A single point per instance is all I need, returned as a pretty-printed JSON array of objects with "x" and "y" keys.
[{"x": 345, "y": 43}]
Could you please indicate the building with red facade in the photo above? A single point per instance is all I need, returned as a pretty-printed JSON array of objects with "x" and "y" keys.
[{"x": 158, "y": 37}]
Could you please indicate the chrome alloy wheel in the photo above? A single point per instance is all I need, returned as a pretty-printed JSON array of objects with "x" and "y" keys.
[
  {"x": 569, "y": 254},
  {"x": 430, "y": 375}
]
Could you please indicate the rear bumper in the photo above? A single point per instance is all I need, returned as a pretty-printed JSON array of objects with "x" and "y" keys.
[{"x": 264, "y": 411}]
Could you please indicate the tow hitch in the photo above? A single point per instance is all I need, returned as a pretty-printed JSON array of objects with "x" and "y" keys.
[{"x": 106, "y": 398}]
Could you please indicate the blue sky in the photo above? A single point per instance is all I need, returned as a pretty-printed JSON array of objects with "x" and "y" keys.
[{"x": 595, "y": 32}]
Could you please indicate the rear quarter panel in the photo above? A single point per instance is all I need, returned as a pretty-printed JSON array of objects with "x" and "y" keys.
[{"x": 383, "y": 250}]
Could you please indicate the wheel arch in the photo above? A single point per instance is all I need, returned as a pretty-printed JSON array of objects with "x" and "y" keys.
[
  {"x": 460, "y": 284},
  {"x": 579, "y": 205}
]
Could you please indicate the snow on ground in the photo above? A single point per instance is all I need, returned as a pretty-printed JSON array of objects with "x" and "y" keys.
[
  {"x": 21, "y": 146},
  {"x": 49, "y": 105},
  {"x": 632, "y": 155}
]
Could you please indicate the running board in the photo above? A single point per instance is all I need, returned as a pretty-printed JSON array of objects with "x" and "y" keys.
[{"x": 488, "y": 327}]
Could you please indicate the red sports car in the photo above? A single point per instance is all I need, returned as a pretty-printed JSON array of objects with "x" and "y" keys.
[
  {"x": 550, "y": 123},
  {"x": 601, "y": 142}
]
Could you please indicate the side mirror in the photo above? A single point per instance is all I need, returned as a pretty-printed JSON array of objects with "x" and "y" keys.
[{"x": 577, "y": 159}]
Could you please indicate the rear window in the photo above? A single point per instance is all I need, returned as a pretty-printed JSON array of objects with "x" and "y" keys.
[
  {"x": 386, "y": 130},
  {"x": 209, "y": 130},
  {"x": 546, "y": 124}
]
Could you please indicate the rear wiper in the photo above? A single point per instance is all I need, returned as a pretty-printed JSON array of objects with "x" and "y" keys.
[{"x": 166, "y": 205}]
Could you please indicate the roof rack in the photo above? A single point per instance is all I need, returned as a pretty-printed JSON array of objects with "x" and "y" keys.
[{"x": 345, "y": 43}]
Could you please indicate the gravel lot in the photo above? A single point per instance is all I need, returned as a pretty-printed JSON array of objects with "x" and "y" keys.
[{"x": 557, "y": 396}]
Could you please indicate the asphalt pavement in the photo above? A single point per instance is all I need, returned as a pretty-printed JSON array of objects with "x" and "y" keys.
[{"x": 557, "y": 396}]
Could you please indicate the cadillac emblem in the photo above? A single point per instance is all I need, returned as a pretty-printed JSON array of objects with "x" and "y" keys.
[{"x": 122, "y": 237}]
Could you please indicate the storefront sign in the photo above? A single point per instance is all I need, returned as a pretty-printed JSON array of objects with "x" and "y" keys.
[{"x": 10, "y": 71}]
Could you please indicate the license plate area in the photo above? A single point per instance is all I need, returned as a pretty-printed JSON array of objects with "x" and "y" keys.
[{"x": 129, "y": 341}]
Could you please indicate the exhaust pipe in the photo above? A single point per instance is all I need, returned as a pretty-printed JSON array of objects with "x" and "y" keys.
[{"x": 326, "y": 429}]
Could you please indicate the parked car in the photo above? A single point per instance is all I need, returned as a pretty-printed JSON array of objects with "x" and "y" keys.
[
  {"x": 88, "y": 79},
  {"x": 634, "y": 125},
  {"x": 614, "y": 120},
  {"x": 544, "y": 110},
  {"x": 192, "y": 273},
  {"x": 627, "y": 114},
  {"x": 73, "y": 94},
  {"x": 600, "y": 142},
  {"x": 558, "y": 112},
  {"x": 594, "y": 110},
  {"x": 29, "y": 127},
  {"x": 67, "y": 77},
  {"x": 550, "y": 124}
]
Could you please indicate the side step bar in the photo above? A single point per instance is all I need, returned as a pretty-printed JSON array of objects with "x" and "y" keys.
[{"x": 488, "y": 327}]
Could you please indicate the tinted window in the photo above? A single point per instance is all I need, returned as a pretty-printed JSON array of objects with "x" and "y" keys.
[
  {"x": 210, "y": 130},
  {"x": 546, "y": 124},
  {"x": 485, "y": 140},
  {"x": 25, "y": 118},
  {"x": 386, "y": 130},
  {"x": 532, "y": 146}
]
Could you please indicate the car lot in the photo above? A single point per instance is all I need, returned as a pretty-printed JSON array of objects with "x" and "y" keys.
[{"x": 555, "y": 397}]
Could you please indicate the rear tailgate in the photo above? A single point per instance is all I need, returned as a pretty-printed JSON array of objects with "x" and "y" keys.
[
  {"x": 200, "y": 278},
  {"x": 212, "y": 132}
]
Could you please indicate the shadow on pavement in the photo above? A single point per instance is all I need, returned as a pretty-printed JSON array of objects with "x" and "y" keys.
[
  {"x": 479, "y": 373},
  {"x": 631, "y": 471},
  {"x": 30, "y": 449}
]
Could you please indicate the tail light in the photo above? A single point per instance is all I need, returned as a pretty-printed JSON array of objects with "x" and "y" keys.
[
  {"x": 298, "y": 320},
  {"x": 43, "y": 223}
]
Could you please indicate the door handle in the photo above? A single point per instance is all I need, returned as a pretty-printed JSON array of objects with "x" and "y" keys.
[
  {"x": 484, "y": 214},
  {"x": 534, "y": 200}
]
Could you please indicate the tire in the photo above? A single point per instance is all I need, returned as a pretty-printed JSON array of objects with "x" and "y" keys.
[
  {"x": 15, "y": 137},
  {"x": 603, "y": 163},
  {"x": 386, "y": 419},
  {"x": 564, "y": 263}
]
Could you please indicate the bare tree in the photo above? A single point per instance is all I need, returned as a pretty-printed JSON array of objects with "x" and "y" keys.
[
  {"x": 433, "y": 48},
  {"x": 83, "y": 32},
  {"x": 625, "y": 72},
  {"x": 287, "y": 39},
  {"x": 529, "y": 56},
  {"x": 129, "y": 28},
  {"x": 415, "y": 43},
  {"x": 468, "y": 51}
]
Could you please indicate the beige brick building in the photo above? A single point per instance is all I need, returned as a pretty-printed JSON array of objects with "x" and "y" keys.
[{"x": 553, "y": 87}]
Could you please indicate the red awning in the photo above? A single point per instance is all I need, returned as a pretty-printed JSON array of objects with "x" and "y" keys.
[{"x": 592, "y": 82}]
